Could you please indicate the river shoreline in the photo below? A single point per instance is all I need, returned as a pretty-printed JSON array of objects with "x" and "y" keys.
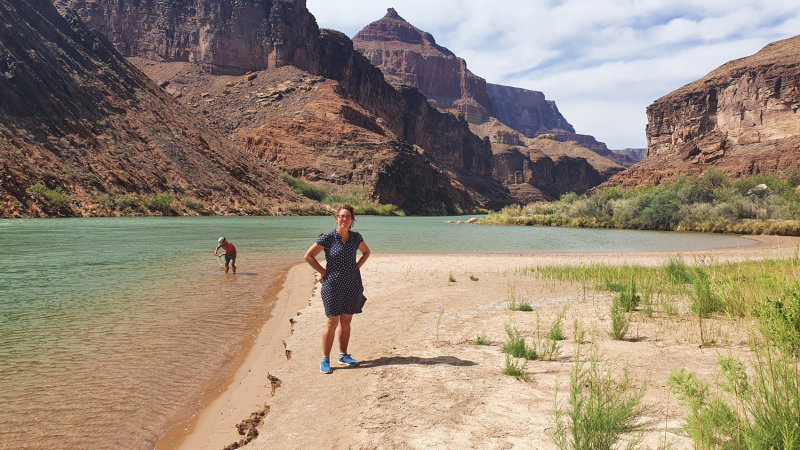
[{"x": 286, "y": 390}]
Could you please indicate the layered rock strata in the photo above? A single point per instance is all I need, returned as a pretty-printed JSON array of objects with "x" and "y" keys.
[
  {"x": 444, "y": 141},
  {"x": 88, "y": 128},
  {"x": 223, "y": 36},
  {"x": 409, "y": 56},
  {"x": 542, "y": 168},
  {"x": 741, "y": 118}
]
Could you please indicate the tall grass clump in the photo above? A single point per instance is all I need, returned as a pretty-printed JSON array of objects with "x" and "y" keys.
[
  {"x": 705, "y": 300},
  {"x": 556, "y": 332},
  {"x": 679, "y": 272},
  {"x": 628, "y": 298},
  {"x": 603, "y": 405},
  {"x": 757, "y": 406},
  {"x": 620, "y": 320}
]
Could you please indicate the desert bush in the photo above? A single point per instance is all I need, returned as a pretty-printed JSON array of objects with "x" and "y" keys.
[
  {"x": 161, "y": 202},
  {"x": 515, "y": 345},
  {"x": 125, "y": 202},
  {"x": 304, "y": 188},
  {"x": 710, "y": 421},
  {"x": 56, "y": 198},
  {"x": 619, "y": 320},
  {"x": 779, "y": 320},
  {"x": 516, "y": 369},
  {"x": 708, "y": 202},
  {"x": 628, "y": 298},
  {"x": 193, "y": 204},
  {"x": 603, "y": 405}
]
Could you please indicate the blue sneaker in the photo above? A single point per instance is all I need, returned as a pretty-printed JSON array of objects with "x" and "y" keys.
[
  {"x": 347, "y": 360},
  {"x": 325, "y": 366}
]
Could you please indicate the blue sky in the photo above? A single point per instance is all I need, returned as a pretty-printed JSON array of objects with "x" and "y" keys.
[{"x": 602, "y": 61}]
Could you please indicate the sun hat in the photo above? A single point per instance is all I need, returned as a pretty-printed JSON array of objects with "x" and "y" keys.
[{"x": 221, "y": 240}]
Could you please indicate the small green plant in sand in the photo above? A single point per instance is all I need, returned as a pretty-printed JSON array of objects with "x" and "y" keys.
[
  {"x": 546, "y": 349},
  {"x": 578, "y": 332},
  {"x": 515, "y": 304},
  {"x": 757, "y": 406},
  {"x": 451, "y": 279},
  {"x": 516, "y": 369},
  {"x": 556, "y": 331},
  {"x": 515, "y": 345},
  {"x": 678, "y": 271},
  {"x": 481, "y": 339},
  {"x": 439, "y": 322},
  {"x": 619, "y": 320},
  {"x": 604, "y": 404},
  {"x": 628, "y": 298},
  {"x": 473, "y": 278}
]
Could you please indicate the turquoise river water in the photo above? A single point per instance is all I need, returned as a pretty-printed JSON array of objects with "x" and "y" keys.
[{"x": 113, "y": 329}]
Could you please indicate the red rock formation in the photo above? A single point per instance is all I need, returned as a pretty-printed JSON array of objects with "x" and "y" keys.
[
  {"x": 76, "y": 117},
  {"x": 542, "y": 168},
  {"x": 223, "y": 36},
  {"x": 409, "y": 56},
  {"x": 445, "y": 141},
  {"x": 741, "y": 118}
]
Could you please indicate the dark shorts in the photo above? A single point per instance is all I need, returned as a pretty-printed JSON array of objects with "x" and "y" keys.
[{"x": 230, "y": 258}]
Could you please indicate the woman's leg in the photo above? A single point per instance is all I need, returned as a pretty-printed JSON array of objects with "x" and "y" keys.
[
  {"x": 344, "y": 332},
  {"x": 328, "y": 333}
]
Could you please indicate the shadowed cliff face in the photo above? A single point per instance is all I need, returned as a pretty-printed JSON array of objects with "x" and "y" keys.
[
  {"x": 741, "y": 118},
  {"x": 78, "y": 119},
  {"x": 409, "y": 56},
  {"x": 444, "y": 141},
  {"x": 527, "y": 111}
]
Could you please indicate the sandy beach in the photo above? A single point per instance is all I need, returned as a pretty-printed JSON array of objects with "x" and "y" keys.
[{"x": 422, "y": 382}]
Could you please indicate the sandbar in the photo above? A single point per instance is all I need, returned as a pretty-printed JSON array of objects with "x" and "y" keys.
[{"x": 422, "y": 382}]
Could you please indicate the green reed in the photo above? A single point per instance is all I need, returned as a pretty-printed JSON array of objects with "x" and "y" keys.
[{"x": 604, "y": 404}]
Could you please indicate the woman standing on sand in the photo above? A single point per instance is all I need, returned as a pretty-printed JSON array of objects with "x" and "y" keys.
[{"x": 342, "y": 291}]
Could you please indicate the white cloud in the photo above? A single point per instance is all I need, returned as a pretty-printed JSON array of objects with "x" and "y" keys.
[{"x": 602, "y": 61}]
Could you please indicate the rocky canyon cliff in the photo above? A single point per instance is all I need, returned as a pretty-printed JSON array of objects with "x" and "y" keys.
[
  {"x": 452, "y": 166},
  {"x": 409, "y": 56},
  {"x": 83, "y": 132},
  {"x": 741, "y": 118}
]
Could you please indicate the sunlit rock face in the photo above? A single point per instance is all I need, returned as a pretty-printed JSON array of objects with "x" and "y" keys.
[
  {"x": 407, "y": 55},
  {"x": 741, "y": 118},
  {"x": 249, "y": 38}
]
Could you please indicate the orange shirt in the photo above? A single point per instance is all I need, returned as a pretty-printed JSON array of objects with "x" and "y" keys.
[{"x": 228, "y": 247}]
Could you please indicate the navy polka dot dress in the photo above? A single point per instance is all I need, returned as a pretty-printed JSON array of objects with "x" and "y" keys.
[{"x": 342, "y": 291}]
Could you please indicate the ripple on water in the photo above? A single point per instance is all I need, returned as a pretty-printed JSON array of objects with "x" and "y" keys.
[{"x": 117, "y": 373}]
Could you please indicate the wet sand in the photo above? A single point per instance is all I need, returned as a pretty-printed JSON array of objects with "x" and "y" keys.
[{"x": 423, "y": 382}]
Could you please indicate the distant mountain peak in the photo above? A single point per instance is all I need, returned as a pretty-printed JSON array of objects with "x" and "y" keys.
[
  {"x": 393, "y": 28},
  {"x": 392, "y": 14}
]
